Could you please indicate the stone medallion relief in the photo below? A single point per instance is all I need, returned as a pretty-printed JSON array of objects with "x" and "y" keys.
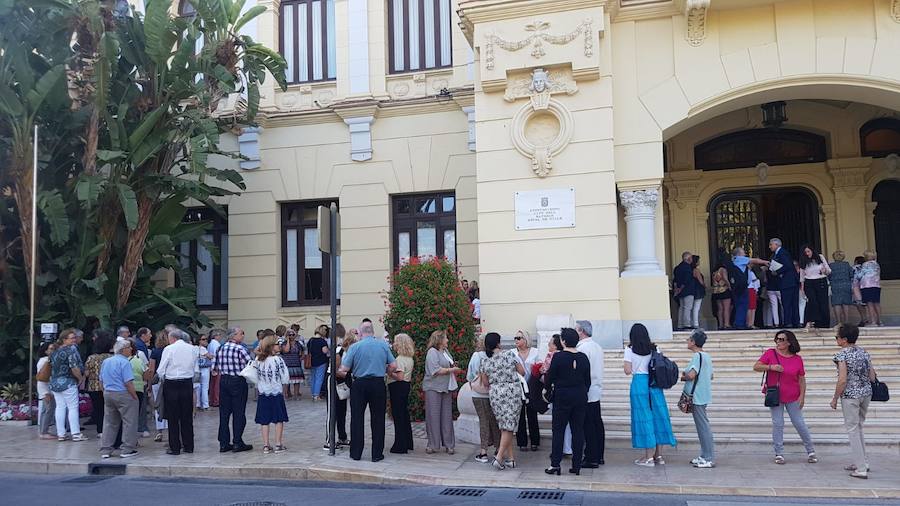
[{"x": 542, "y": 127}]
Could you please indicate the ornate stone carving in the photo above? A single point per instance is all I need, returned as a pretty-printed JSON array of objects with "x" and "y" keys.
[
  {"x": 400, "y": 90},
  {"x": 695, "y": 12},
  {"x": 537, "y": 39},
  {"x": 639, "y": 201},
  {"x": 895, "y": 10},
  {"x": 892, "y": 161},
  {"x": 543, "y": 127},
  {"x": 540, "y": 86},
  {"x": 762, "y": 172}
]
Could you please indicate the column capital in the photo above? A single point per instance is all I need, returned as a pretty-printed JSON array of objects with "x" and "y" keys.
[{"x": 639, "y": 201}]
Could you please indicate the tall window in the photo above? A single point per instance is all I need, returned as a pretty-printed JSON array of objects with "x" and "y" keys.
[
  {"x": 886, "y": 196},
  {"x": 424, "y": 226},
  {"x": 880, "y": 137},
  {"x": 306, "y": 277},
  {"x": 307, "y": 40},
  {"x": 211, "y": 277},
  {"x": 419, "y": 34}
]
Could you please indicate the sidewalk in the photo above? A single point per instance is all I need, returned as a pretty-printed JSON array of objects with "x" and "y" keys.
[{"x": 747, "y": 473}]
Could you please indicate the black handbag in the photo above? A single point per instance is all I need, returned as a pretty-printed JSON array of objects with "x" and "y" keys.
[
  {"x": 773, "y": 394},
  {"x": 880, "y": 391}
]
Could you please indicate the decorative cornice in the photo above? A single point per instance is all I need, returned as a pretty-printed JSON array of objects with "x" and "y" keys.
[
  {"x": 472, "y": 12},
  {"x": 695, "y": 12}
]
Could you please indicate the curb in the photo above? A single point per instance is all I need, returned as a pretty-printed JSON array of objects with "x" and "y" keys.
[{"x": 336, "y": 474}]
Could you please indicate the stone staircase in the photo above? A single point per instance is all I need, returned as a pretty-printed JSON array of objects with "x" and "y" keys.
[{"x": 737, "y": 415}]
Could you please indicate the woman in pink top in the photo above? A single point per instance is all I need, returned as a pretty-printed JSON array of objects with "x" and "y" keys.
[{"x": 784, "y": 368}]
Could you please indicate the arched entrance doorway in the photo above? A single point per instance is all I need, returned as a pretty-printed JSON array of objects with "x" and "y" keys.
[{"x": 749, "y": 218}]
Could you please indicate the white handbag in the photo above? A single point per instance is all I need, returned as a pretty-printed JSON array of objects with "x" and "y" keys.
[
  {"x": 343, "y": 391},
  {"x": 249, "y": 372}
]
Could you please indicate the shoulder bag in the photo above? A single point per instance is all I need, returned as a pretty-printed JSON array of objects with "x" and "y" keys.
[
  {"x": 249, "y": 372},
  {"x": 343, "y": 391},
  {"x": 686, "y": 402},
  {"x": 773, "y": 394},
  {"x": 479, "y": 385},
  {"x": 880, "y": 391},
  {"x": 44, "y": 374}
]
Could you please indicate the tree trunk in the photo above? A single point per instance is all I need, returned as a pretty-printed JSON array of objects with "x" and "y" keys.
[
  {"x": 89, "y": 160},
  {"x": 108, "y": 223},
  {"x": 134, "y": 252},
  {"x": 22, "y": 178}
]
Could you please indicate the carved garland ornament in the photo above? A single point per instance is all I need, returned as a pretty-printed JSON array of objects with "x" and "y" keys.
[
  {"x": 537, "y": 40},
  {"x": 895, "y": 10},
  {"x": 543, "y": 127},
  {"x": 695, "y": 11}
]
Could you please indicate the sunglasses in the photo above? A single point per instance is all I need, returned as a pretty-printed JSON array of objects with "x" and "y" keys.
[
  {"x": 291, "y": 334},
  {"x": 519, "y": 338},
  {"x": 780, "y": 339}
]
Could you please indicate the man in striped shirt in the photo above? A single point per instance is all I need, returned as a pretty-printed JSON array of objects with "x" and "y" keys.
[{"x": 230, "y": 360}]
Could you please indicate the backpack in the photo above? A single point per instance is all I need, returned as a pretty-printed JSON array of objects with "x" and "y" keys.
[
  {"x": 663, "y": 372},
  {"x": 739, "y": 279}
]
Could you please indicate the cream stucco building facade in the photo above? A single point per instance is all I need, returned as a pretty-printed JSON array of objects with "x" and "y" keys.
[{"x": 444, "y": 126}]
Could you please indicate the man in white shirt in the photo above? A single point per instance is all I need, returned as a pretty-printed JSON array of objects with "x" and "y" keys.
[
  {"x": 594, "y": 433},
  {"x": 177, "y": 367}
]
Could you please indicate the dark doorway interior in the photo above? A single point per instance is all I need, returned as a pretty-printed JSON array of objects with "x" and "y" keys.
[{"x": 750, "y": 218}]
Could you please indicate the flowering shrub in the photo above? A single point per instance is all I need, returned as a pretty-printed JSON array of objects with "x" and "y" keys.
[
  {"x": 425, "y": 296},
  {"x": 18, "y": 411}
]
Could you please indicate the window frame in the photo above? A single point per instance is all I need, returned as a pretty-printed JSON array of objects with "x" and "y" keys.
[
  {"x": 705, "y": 159},
  {"x": 875, "y": 125},
  {"x": 218, "y": 229},
  {"x": 406, "y": 45},
  {"x": 308, "y": 43},
  {"x": 443, "y": 220},
  {"x": 286, "y": 224}
]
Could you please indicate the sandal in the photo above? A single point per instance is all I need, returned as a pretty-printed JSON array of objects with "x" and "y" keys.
[
  {"x": 779, "y": 460},
  {"x": 158, "y": 437},
  {"x": 659, "y": 461},
  {"x": 645, "y": 462},
  {"x": 267, "y": 449},
  {"x": 280, "y": 448},
  {"x": 811, "y": 458},
  {"x": 852, "y": 467}
]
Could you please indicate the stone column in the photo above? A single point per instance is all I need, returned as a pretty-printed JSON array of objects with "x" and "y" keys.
[
  {"x": 640, "y": 221},
  {"x": 849, "y": 213}
]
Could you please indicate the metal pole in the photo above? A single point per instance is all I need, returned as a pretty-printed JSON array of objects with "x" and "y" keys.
[
  {"x": 34, "y": 240},
  {"x": 332, "y": 378}
]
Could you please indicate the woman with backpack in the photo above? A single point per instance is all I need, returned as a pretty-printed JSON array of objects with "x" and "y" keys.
[{"x": 650, "y": 424}]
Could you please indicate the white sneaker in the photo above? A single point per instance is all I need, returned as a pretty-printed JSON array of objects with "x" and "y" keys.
[
  {"x": 146, "y": 433},
  {"x": 105, "y": 455},
  {"x": 79, "y": 437},
  {"x": 705, "y": 464},
  {"x": 696, "y": 461}
]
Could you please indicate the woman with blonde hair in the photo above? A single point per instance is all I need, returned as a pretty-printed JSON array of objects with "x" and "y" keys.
[
  {"x": 439, "y": 382},
  {"x": 841, "y": 280},
  {"x": 399, "y": 392},
  {"x": 528, "y": 430},
  {"x": 273, "y": 374},
  {"x": 159, "y": 343},
  {"x": 870, "y": 286}
]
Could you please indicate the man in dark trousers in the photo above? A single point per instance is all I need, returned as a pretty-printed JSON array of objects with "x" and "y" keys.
[
  {"x": 594, "y": 431},
  {"x": 788, "y": 281},
  {"x": 368, "y": 360},
  {"x": 684, "y": 286},
  {"x": 177, "y": 368},
  {"x": 230, "y": 360}
]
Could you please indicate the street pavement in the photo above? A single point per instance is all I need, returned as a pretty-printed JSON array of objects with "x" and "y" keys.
[
  {"x": 40, "y": 490},
  {"x": 749, "y": 473}
]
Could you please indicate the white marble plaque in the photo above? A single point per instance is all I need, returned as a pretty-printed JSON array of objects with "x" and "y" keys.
[{"x": 545, "y": 209}]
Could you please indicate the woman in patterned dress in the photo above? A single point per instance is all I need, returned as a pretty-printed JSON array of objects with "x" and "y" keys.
[
  {"x": 841, "y": 279},
  {"x": 502, "y": 371}
]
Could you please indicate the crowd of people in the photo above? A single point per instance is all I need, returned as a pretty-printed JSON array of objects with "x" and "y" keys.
[
  {"x": 781, "y": 292},
  {"x": 129, "y": 377}
]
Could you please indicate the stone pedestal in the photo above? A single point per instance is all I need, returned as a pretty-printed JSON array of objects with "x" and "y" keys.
[{"x": 466, "y": 426}]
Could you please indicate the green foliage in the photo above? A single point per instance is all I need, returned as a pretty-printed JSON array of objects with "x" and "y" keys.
[
  {"x": 425, "y": 296},
  {"x": 129, "y": 113},
  {"x": 13, "y": 393}
]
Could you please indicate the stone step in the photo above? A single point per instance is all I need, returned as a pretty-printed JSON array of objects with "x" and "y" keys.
[
  {"x": 864, "y": 332},
  {"x": 756, "y": 411},
  {"x": 752, "y": 442},
  {"x": 671, "y": 351}
]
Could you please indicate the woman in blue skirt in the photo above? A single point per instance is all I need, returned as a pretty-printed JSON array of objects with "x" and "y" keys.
[
  {"x": 650, "y": 424},
  {"x": 272, "y": 375}
]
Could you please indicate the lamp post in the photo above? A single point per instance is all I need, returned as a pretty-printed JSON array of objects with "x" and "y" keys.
[{"x": 34, "y": 240}]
